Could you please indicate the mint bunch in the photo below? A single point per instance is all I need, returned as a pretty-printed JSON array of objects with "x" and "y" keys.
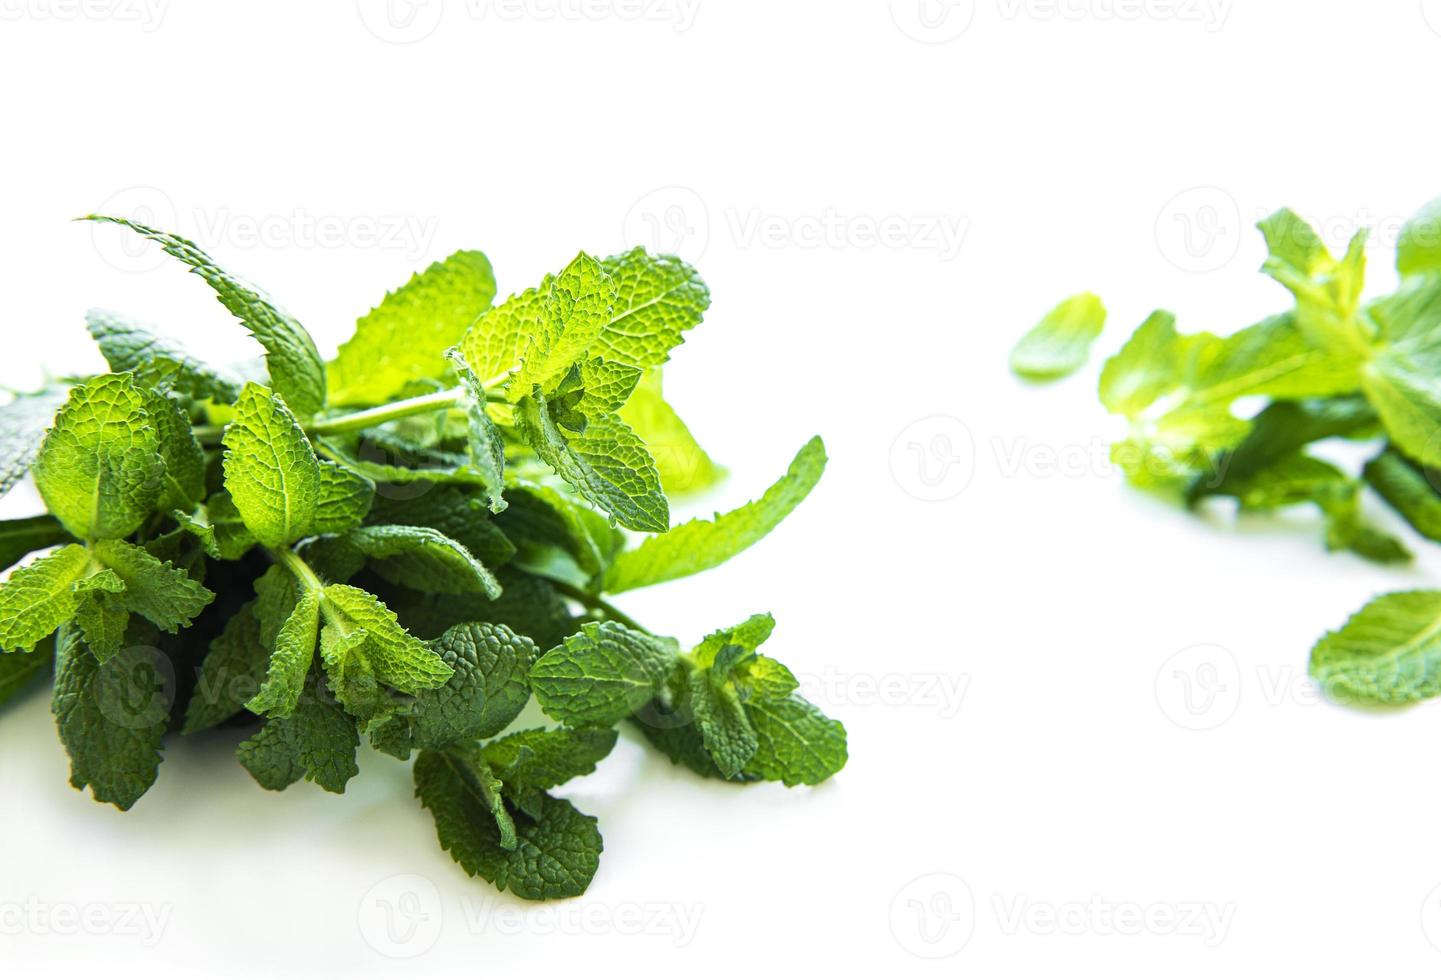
[
  {"x": 1335, "y": 366},
  {"x": 399, "y": 546}
]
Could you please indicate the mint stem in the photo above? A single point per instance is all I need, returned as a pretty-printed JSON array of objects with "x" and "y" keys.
[{"x": 595, "y": 603}]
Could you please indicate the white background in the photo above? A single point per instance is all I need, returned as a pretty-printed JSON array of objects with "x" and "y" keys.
[{"x": 1009, "y": 661}]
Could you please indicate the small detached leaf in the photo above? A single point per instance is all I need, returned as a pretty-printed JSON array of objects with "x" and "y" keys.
[
  {"x": 1061, "y": 342},
  {"x": 1388, "y": 653}
]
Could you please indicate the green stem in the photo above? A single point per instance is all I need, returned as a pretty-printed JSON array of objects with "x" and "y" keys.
[
  {"x": 596, "y": 604},
  {"x": 303, "y": 572},
  {"x": 436, "y": 401}
]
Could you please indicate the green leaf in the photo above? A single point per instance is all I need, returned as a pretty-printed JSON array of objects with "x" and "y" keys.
[
  {"x": 721, "y": 718},
  {"x": 1177, "y": 390},
  {"x": 100, "y": 468},
  {"x": 296, "y": 370},
  {"x": 700, "y": 544},
  {"x": 156, "y": 360},
  {"x": 550, "y": 528},
  {"x": 155, "y": 589},
  {"x": 1403, "y": 379},
  {"x": 555, "y": 854},
  {"x": 422, "y": 558},
  {"x": 390, "y": 653},
  {"x": 18, "y": 670},
  {"x": 796, "y": 742},
  {"x": 218, "y": 526},
  {"x": 101, "y": 613},
  {"x": 1418, "y": 250},
  {"x": 270, "y": 470},
  {"x": 407, "y": 335},
  {"x": 317, "y": 741},
  {"x": 601, "y": 674},
  {"x": 487, "y": 445},
  {"x": 37, "y": 598},
  {"x": 540, "y": 758},
  {"x": 1327, "y": 291},
  {"x": 578, "y": 306},
  {"x": 112, "y": 718},
  {"x": 530, "y": 606},
  {"x": 183, "y": 458},
  {"x": 1388, "y": 653},
  {"x": 494, "y": 343},
  {"x": 1283, "y": 428},
  {"x": 454, "y": 513},
  {"x": 23, "y": 535},
  {"x": 607, "y": 465},
  {"x": 1061, "y": 342},
  {"x": 1409, "y": 489},
  {"x": 486, "y": 692},
  {"x": 23, "y": 421},
  {"x": 233, "y": 670},
  {"x": 291, "y": 658},
  {"x": 683, "y": 465},
  {"x": 344, "y": 499},
  {"x": 658, "y": 298}
]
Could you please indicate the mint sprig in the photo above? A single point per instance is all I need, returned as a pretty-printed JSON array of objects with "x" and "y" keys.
[
  {"x": 399, "y": 547},
  {"x": 1335, "y": 366}
]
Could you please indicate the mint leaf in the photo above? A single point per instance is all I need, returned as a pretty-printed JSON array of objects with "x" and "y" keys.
[
  {"x": 540, "y": 758},
  {"x": 1327, "y": 291},
  {"x": 683, "y": 465},
  {"x": 99, "y": 469},
  {"x": 233, "y": 670},
  {"x": 218, "y": 526},
  {"x": 607, "y": 465},
  {"x": 1409, "y": 489},
  {"x": 702, "y": 544},
  {"x": 19, "y": 670},
  {"x": 494, "y": 343},
  {"x": 344, "y": 498},
  {"x": 390, "y": 653},
  {"x": 270, "y": 470},
  {"x": 422, "y": 558},
  {"x": 554, "y": 532},
  {"x": 156, "y": 360},
  {"x": 601, "y": 674},
  {"x": 486, "y": 692},
  {"x": 657, "y": 299},
  {"x": 554, "y": 854},
  {"x": 294, "y": 649},
  {"x": 317, "y": 741},
  {"x": 406, "y": 336},
  {"x": 1418, "y": 250},
  {"x": 101, "y": 613},
  {"x": 577, "y": 307},
  {"x": 37, "y": 598},
  {"x": 23, "y": 421},
  {"x": 23, "y": 535},
  {"x": 155, "y": 589},
  {"x": 722, "y": 720},
  {"x": 454, "y": 513},
  {"x": 111, "y": 718},
  {"x": 796, "y": 742},
  {"x": 296, "y": 370},
  {"x": 487, "y": 445},
  {"x": 1061, "y": 342},
  {"x": 1388, "y": 653}
]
